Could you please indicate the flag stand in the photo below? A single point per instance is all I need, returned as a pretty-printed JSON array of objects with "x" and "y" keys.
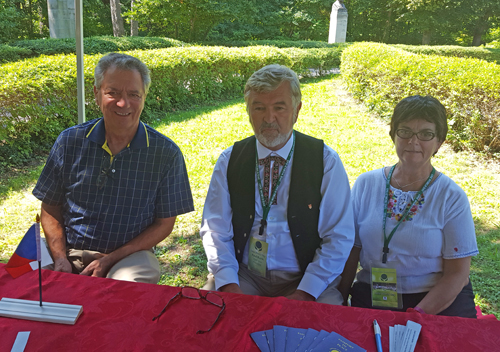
[
  {"x": 35, "y": 310},
  {"x": 31, "y": 310}
]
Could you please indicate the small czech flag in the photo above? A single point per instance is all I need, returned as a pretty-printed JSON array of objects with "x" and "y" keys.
[{"x": 29, "y": 252}]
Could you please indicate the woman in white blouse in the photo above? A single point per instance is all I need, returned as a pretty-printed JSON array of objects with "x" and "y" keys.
[{"x": 414, "y": 219}]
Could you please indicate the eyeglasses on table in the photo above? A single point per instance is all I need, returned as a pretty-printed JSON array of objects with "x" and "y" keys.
[{"x": 194, "y": 293}]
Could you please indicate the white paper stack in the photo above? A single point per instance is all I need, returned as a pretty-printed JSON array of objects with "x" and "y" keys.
[{"x": 404, "y": 338}]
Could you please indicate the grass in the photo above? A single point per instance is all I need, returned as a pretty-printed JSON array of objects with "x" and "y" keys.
[{"x": 361, "y": 140}]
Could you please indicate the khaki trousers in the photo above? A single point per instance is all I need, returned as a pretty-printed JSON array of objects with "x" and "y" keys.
[
  {"x": 277, "y": 283},
  {"x": 141, "y": 266}
]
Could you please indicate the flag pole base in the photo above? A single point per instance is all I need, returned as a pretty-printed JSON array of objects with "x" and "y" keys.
[{"x": 31, "y": 310}]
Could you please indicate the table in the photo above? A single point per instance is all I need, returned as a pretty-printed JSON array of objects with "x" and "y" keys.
[{"x": 117, "y": 317}]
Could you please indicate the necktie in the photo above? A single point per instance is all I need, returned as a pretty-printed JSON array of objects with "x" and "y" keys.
[{"x": 278, "y": 160}]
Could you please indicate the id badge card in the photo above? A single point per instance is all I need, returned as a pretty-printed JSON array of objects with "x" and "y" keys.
[
  {"x": 385, "y": 287},
  {"x": 257, "y": 256}
]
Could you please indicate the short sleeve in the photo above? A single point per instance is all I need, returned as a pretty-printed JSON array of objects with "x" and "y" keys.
[
  {"x": 174, "y": 194},
  {"x": 459, "y": 232},
  {"x": 49, "y": 187},
  {"x": 356, "y": 194}
]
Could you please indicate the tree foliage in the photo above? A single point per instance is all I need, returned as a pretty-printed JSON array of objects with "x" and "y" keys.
[
  {"x": 23, "y": 19},
  {"x": 422, "y": 21},
  {"x": 96, "y": 18},
  {"x": 194, "y": 21}
]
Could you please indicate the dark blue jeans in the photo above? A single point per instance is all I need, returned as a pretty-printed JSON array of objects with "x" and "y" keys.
[{"x": 463, "y": 306}]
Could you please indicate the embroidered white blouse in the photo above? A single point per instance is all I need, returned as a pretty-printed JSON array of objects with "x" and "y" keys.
[{"x": 439, "y": 226}]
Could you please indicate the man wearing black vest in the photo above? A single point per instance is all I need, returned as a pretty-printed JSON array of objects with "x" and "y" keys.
[{"x": 277, "y": 219}]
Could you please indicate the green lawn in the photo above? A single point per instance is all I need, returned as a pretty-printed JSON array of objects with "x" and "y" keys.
[{"x": 361, "y": 140}]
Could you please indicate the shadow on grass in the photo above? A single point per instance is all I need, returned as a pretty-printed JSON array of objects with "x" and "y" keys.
[
  {"x": 308, "y": 80},
  {"x": 18, "y": 178},
  {"x": 484, "y": 227},
  {"x": 182, "y": 261}
]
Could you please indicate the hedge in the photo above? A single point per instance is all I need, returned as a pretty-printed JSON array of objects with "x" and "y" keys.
[
  {"x": 494, "y": 45},
  {"x": 303, "y": 44},
  {"x": 91, "y": 45},
  {"x": 10, "y": 54},
  {"x": 381, "y": 75},
  {"x": 105, "y": 44},
  {"x": 38, "y": 96},
  {"x": 488, "y": 54}
]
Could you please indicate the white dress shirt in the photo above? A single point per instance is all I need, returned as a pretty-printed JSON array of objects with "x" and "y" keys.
[{"x": 335, "y": 226}]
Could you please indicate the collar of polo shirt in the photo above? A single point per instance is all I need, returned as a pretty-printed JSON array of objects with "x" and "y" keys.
[{"x": 97, "y": 134}]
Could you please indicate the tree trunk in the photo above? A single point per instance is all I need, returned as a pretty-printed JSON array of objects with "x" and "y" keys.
[
  {"x": 40, "y": 19},
  {"x": 426, "y": 37},
  {"x": 476, "y": 40},
  {"x": 387, "y": 27},
  {"x": 116, "y": 18},
  {"x": 30, "y": 13},
  {"x": 205, "y": 35},
  {"x": 192, "y": 21},
  {"x": 134, "y": 25},
  {"x": 480, "y": 29}
]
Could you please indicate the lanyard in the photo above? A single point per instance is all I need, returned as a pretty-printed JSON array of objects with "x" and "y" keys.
[
  {"x": 385, "y": 250},
  {"x": 266, "y": 207}
]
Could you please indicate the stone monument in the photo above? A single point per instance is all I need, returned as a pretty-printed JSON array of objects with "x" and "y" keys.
[
  {"x": 61, "y": 18},
  {"x": 338, "y": 23}
]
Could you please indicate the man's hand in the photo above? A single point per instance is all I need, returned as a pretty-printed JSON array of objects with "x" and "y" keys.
[
  {"x": 63, "y": 265},
  {"x": 233, "y": 288},
  {"x": 300, "y": 295},
  {"x": 98, "y": 268}
]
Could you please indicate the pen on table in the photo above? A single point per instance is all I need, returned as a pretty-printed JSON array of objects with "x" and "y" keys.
[{"x": 378, "y": 341}]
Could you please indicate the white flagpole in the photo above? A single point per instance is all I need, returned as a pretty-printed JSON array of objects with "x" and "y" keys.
[{"x": 80, "y": 79}]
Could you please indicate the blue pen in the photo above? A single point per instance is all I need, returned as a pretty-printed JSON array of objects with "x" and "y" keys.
[{"x": 378, "y": 341}]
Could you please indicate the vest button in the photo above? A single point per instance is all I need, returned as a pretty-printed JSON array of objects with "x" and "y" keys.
[
  {"x": 244, "y": 235},
  {"x": 251, "y": 216},
  {"x": 238, "y": 251}
]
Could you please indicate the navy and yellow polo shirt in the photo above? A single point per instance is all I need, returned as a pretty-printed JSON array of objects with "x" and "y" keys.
[{"x": 107, "y": 201}]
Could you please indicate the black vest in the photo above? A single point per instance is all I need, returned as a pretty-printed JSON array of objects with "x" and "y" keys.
[{"x": 303, "y": 200}]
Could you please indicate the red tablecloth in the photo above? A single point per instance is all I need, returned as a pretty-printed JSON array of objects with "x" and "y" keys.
[{"x": 117, "y": 317}]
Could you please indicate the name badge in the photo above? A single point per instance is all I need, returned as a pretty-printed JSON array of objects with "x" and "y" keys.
[
  {"x": 385, "y": 287},
  {"x": 257, "y": 256}
]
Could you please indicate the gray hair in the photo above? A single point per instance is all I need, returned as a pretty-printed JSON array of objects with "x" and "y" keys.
[
  {"x": 122, "y": 62},
  {"x": 269, "y": 78}
]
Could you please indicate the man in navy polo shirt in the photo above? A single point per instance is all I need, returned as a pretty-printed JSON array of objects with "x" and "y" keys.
[{"x": 112, "y": 187}]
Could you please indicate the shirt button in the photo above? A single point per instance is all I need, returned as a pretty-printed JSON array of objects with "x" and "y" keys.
[
  {"x": 271, "y": 218},
  {"x": 270, "y": 234}
]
